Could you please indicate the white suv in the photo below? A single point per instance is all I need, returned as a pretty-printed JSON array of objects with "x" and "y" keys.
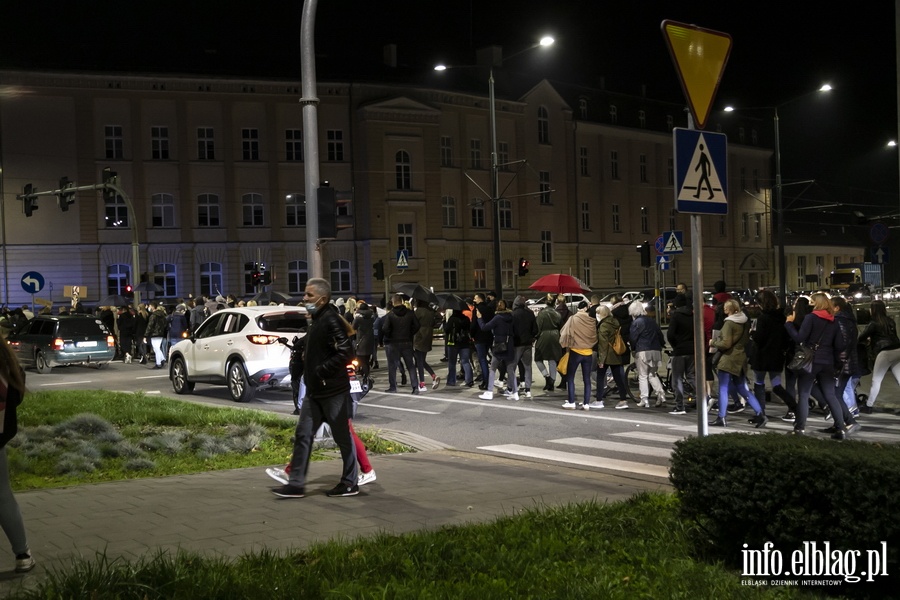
[{"x": 239, "y": 348}]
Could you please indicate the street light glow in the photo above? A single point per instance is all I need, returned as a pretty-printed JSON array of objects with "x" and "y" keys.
[
  {"x": 892, "y": 143},
  {"x": 440, "y": 67},
  {"x": 547, "y": 40},
  {"x": 826, "y": 88}
]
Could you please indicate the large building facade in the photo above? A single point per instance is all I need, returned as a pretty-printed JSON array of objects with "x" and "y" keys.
[{"x": 214, "y": 171}]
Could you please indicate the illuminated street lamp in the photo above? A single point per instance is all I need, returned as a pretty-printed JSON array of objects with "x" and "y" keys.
[
  {"x": 779, "y": 205},
  {"x": 495, "y": 179}
]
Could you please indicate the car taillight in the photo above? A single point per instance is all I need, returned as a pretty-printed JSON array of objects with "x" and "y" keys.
[
  {"x": 58, "y": 344},
  {"x": 263, "y": 340},
  {"x": 13, "y": 344},
  {"x": 110, "y": 341}
]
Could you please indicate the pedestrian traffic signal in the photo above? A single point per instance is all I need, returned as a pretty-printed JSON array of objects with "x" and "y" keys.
[
  {"x": 109, "y": 177},
  {"x": 379, "y": 270},
  {"x": 644, "y": 249},
  {"x": 66, "y": 195},
  {"x": 128, "y": 291},
  {"x": 523, "y": 267},
  {"x": 29, "y": 201},
  {"x": 255, "y": 278},
  {"x": 265, "y": 278}
]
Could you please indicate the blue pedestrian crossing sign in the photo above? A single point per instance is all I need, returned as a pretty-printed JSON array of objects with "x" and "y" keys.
[
  {"x": 701, "y": 173},
  {"x": 402, "y": 259},
  {"x": 673, "y": 242}
]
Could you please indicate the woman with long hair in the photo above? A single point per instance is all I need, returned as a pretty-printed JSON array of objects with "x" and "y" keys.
[
  {"x": 769, "y": 347},
  {"x": 12, "y": 390},
  {"x": 824, "y": 335},
  {"x": 881, "y": 335},
  {"x": 731, "y": 343}
]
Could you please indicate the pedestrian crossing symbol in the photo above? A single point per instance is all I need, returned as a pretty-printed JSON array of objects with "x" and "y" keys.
[
  {"x": 673, "y": 244},
  {"x": 402, "y": 261},
  {"x": 701, "y": 177}
]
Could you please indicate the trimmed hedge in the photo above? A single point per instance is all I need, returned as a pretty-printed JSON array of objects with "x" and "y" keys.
[{"x": 753, "y": 489}]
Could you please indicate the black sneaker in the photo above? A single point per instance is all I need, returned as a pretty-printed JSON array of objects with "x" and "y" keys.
[
  {"x": 789, "y": 417},
  {"x": 289, "y": 491},
  {"x": 865, "y": 409},
  {"x": 343, "y": 490},
  {"x": 734, "y": 409},
  {"x": 24, "y": 562},
  {"x": 390, "y": 391}
]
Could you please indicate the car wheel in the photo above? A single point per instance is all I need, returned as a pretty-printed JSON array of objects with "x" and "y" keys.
[
  {"x": 40, "y": 363},
  {"x": 180, "y": 377},
  {"x": 238, "y": 385}
]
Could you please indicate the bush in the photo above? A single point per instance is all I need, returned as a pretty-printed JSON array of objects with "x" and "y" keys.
[{"x": 753, "y": 489}]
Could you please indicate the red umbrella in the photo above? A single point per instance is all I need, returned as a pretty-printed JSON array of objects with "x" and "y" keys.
[{"x": 560, "y": 283}]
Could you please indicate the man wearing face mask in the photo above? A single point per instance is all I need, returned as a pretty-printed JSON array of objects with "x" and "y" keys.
[{"x": 328, "y": 351}]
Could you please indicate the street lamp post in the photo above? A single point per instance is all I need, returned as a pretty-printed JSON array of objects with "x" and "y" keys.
[{"x": 495, "y": 167}]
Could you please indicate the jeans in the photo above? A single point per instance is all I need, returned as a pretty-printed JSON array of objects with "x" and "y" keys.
[
  {"x": 396, "y": 352},
  {"x": 740, "y": 386},
  {"x": 647, "y": 364},
  {"x": 884, "y": 361},
  {"x": 683, "y": 367},
  {"x": 511, "y": 383},
  {"x": 333, "y": 410},
  {"x": 481, "y": 351},
  {"x": 157, "y": 343},
  {"x": 422, "y": 364},
  {"x": 10, "y": 516},
  {"x": 618, "y": 373},
  {"x": 548, "y": 370},
  {"x": 578, "y": 360},
  {"x": 464, "y": 354},
  {"x": 846, "y": 388},
  {"x": 822, "y": 376},
  {"x": 523, "y": 355}
]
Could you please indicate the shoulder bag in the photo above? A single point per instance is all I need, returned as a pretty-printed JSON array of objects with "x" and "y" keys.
[
  {"x": 618, "y": 344},
  {"x": 803, "y": 356}
]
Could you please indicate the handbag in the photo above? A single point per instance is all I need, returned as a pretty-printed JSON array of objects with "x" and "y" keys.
[
  {"x": 618, "y": 344},
  {"x": 563, "y": 365},
  {"x": 500, "y": 347},
  {"x": 803, "y": 356}
]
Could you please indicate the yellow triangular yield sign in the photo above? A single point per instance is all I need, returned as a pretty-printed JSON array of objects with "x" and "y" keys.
[{"x": 700, "y": 56}]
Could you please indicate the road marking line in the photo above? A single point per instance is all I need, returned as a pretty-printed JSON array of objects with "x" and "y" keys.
[
  {"x": 413, "y": 410},
  {"x": 66, "y": 383},
  {"x": 571, "y": 458},
  {"x": 615, "y": 446},
  {"x": 651, "y": 437}
]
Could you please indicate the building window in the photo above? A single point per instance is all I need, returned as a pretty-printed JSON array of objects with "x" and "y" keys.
[
  {"x": 583, "y": 107},
  {"x": 546, "y": 246},
  {"x": 642, "y": 164},
  {"x": 403, "y": 170},
  {"x": 613, "y": 114},
  {"x": 295, "y": 210},
  {"x": 211, "y": 279},
  {"x": 208, "y": 210},
  {"x": 506, "y": 273},
  {"x": 670, "y": 122},
  {"x": 505, "y": 209},
  {"x": 250, "y": 144},
  {"x": 340, "y": 275},
  {"x": 543, "y": 123},
  {"x": 757, "y": 225},
  {"x": 642, "y": 119},
  {"x": 293, "y": 145},
  {"x": 585, "y": 216},
  {"x": 115, "y": 142},
  {"x": 448, "y": 210},
  {"x": 670, "y": 171},
  {"x": 586, "y": 271},
  {"x": 162, "y": 210},
  {"x": 252, "y": 210},
  {"x": 474, "y": 154},
  {"x": 723, "y": 227},
  {"x": 117, "y": 277},
  {"x": 745, "y": 225},
  {"x": 206, "y": 147},
  {"x": 583, "y": 159},
  {"x": 503, "y": 156},
  {"x": 801, "y": 272},
  {"x": 298, "y": 275},
  {"x": 616, "y": 224},
  {"x": 165, "y": 275},
  {"x": 159, "y": 143},
  {"x": 405, "y": 238},
  {"x": 335, "y": 139},
  {"x": 544, "y": 179},
  {"x": 477, "y": 212},
  {"x": 645, "y": 220},
  {"x": 451, "y": 274},
  {"x": 116, "y": 212},
  {"x": 446, "y": 151},
  {"x": 613, "y": 164},
  {"x": 479, "y": 274},
  {"x": 673, "y": 216},
  {"x": 617, "y": 271}
]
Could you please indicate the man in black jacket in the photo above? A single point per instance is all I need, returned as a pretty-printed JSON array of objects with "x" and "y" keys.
[
  {"x": 525, "y": 331},
  {"x": 397, "y": 333},
  {"x": 328, "y": 351},
  {"x": 483, "y": 339},
  {"x": 681, "y": 337}
]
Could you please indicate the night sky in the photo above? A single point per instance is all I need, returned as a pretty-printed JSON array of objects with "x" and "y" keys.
[{"x": 781, "y": 51}]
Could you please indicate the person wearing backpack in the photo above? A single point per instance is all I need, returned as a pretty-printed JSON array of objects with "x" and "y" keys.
[
  {"x": 459, "y": 346},
  {"x": 12, "y": 389}
]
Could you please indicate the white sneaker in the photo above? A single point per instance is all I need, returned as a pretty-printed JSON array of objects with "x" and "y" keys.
[
  {"x": 278, "y": 475},
  {"x": 569, "y": 406},
  {"x": 513, "y": 397},
  {"x": 486, "y": 396},
  {"x": 365, "y": 478},
  {"x": 423, "y": 387},
  {"x": 127, "y": 360},
  {"x": 660, "y": 400},
  {"x": 528, "y": 393},
  {"x": 597, "y": 404},
  {"x": 499, "y": 384},
  {"x": 622, "y": 404},
  {"x": 645, "y": 403},
  {"x": 584, "y": 407},
  {"x": 435, "y": 382}
]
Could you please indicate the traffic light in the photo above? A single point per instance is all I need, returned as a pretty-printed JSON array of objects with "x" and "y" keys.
[
  {"x": 255, "y": 278},
  {"x": 326, "y": 198},
  {"x": 265, "y": 278},
  {"x": 379, "y": 270},
  {"x": 110, "y": 177},
  {"x": 128, "y": 292},
  {"x": 644, "y": 249},
  {"x": 523, "y": 267},
  {"x": 66, "y": 198},
  {"x": 29, "y": 202}
]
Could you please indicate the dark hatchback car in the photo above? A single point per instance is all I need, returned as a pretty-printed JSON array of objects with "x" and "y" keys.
[{"x": 52, "y": 341}]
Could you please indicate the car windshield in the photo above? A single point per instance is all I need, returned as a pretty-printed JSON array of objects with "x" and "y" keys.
[
  {"x": 282, "y": 322},
  {"x": 80, "y": 327}
]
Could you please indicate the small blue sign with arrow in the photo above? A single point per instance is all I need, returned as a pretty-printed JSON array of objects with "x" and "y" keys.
[{"x": 32, "y": 282}]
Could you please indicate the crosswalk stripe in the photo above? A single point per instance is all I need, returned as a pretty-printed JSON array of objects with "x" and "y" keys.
[
  {"x": 571, "y": 458},
  {"x": 615, "y": 446},
  {"x": 650, "y": 437}
]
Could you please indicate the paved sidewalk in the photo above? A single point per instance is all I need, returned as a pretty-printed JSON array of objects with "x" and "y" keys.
[{"x": 232, "y": 512}]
